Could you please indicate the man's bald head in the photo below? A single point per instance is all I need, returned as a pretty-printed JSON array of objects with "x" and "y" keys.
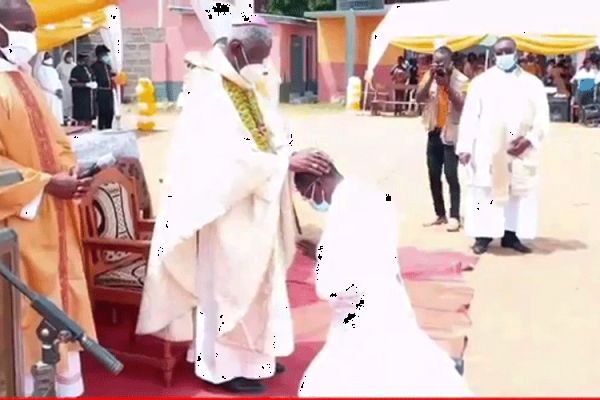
[
  {"x": 442, "y": 58},
  {"x": 249, "y": 44},
  {"x": 15, "y": 15},
  {"x": 505, "y": 45}
]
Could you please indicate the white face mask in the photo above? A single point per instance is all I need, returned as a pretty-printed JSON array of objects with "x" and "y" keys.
[
  {"x": 506, "y": 62},
  {"x": 22, "y": 46},
  {"x": 253, "y": 73},
  {"x": 49, "y": 62}
]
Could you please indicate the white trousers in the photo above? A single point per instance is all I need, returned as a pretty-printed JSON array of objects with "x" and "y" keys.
[
  {"x": 68, "y": 384},
  {"x": 485, "y": 219},
  {"x": 218, "y": 362}
]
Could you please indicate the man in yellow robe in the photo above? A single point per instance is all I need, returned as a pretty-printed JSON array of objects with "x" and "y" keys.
[{"x": 40, "y": 208}]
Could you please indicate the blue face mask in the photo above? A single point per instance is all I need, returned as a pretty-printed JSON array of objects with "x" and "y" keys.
[
  {"x": 323, "y": 206},
  {"x": 506, "y": 62}
]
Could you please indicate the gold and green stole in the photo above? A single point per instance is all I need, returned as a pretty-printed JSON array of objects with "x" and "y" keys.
[{"x": 246, "y": 104}]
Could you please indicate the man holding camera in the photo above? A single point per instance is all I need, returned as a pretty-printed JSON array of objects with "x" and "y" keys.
[{"x": 443, "y": 91}]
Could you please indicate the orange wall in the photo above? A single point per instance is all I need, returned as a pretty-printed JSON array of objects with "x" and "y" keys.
[
  {"x": 365, "y": 26},
  {"x": 332, "y": 40},
  {"x": 332, "y": 54}
]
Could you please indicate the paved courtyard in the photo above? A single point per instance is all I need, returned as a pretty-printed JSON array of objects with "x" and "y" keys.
[{"x": 536, "y": 324}]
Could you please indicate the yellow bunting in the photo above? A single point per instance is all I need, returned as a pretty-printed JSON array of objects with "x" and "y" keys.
[
  {"x": 51, "y": 36},
  {"x": 146, "y": 105},
  {"x": 427, "y": 44},
  {"x": 56, "y": 11}
]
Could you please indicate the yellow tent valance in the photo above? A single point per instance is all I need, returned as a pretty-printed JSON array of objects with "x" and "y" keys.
[
  {"x": 54, "y": 35},
  {"x": 56, "y": 11},
  {"x": 555, "y": 44},
  {"x": 538, "y": 44},
  {"x": 426, "y": 44}
]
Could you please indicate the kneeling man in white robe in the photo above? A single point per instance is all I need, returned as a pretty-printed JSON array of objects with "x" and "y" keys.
[
  {"x": 504, "y": 119},
  {"x": 226, "y": 233},
  {"x": 374, "y": 347}
]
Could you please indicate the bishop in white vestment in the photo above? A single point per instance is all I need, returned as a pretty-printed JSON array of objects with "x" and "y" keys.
[
  {"x": 374, "y": 348},
  {"x": 226, "y": 233},
  {"x": 504, "y": 120}
]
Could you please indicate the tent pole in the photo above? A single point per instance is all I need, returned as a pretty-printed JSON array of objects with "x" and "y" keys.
[{"x": 350, "y": 43}]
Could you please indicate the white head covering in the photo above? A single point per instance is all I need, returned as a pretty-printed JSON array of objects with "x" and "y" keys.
[
  {"x": 37, "y": 64},
  {"x": 218, "y": 18}
]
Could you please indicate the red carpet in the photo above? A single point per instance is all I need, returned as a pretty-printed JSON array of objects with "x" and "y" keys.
[{"x": 434, "y": 283}]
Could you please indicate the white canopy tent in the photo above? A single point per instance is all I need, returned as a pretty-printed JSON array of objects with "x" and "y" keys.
[{"x": 451, "y": 20}]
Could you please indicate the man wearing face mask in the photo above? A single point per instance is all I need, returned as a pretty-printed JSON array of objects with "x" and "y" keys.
[
  {"x": 64, "y": 68},
  {"x": 83, "y": 82},
  {"x": 443, "y": 90},
  {"x": 391, "y": 355},
  {"x": 226, "y": 233},
  {"x": 40, "y": 208},
  {"x": 104, "y": 95},
  {"x": 47, "y": 77},
  {"x": 505, "y": 118}
]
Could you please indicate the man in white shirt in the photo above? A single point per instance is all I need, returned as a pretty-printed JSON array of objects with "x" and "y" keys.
[
  {"x": 375, "y": 347},
  {"x": 585, "y": 80},
  {"x": 504, "y": 120}
]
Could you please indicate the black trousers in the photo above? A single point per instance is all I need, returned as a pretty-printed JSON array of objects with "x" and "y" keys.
[
  {"x": 441, "y": 156},
  {"x": 106, "y": 110}
]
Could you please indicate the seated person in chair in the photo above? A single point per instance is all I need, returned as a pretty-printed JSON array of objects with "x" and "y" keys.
[
  {"x": 374, "y": 347},
  {"x": 584, "y": 81}
]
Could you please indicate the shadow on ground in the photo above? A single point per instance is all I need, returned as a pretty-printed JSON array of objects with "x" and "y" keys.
[{"x": 542, "y": 246}]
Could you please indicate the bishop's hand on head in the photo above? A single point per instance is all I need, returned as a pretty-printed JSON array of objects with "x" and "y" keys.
[{"x": 310, "y": 161}]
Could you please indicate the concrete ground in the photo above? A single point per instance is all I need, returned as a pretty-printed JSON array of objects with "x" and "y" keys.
[{"x": 536, "y": 324}]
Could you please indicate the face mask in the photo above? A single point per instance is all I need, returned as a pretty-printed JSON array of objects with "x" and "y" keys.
[
  {"x": 49, "y": 62},
  {"x": 506, "y": 62},
  {"x": 253, "y": 73},
  {"x": 69, "y": 60},
  {"x": 323, "y": 206},
  {"x": 106, "y": 59},
  {"x": 22, "y": 46}
]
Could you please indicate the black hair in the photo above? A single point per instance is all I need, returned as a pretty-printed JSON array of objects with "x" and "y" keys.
[
  {"x": 305, "y": 179},
  {"x": 101, "y": 50},
  {"x": 444, "y": 51}
]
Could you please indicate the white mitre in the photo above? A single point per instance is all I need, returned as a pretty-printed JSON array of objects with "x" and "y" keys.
[{"x": 218, "y": 17}]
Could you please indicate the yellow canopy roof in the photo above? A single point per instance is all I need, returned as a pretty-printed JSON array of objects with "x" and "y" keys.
[
  {"x": 60, "y": 21},
  {"x": 55, "y": 11},
  {"x": 54, "y": 35}
]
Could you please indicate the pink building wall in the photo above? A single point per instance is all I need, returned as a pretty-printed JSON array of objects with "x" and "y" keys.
[{"x": 182, "y": 33}]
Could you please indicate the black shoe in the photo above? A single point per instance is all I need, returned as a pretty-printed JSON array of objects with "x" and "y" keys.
[
  {"x": 279, "y": 368},
  {"x": 459, "y": 365},
  {"x": 481, "y": 246},
  {"x": 516, "y": 245},
  {"x": 242, "y": 385}
]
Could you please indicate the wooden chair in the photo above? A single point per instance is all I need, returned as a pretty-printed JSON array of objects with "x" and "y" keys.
[{"x": 116, "y": 248}]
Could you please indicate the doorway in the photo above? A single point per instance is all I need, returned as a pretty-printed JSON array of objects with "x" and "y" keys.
[{"x": 297, "y": 65}]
